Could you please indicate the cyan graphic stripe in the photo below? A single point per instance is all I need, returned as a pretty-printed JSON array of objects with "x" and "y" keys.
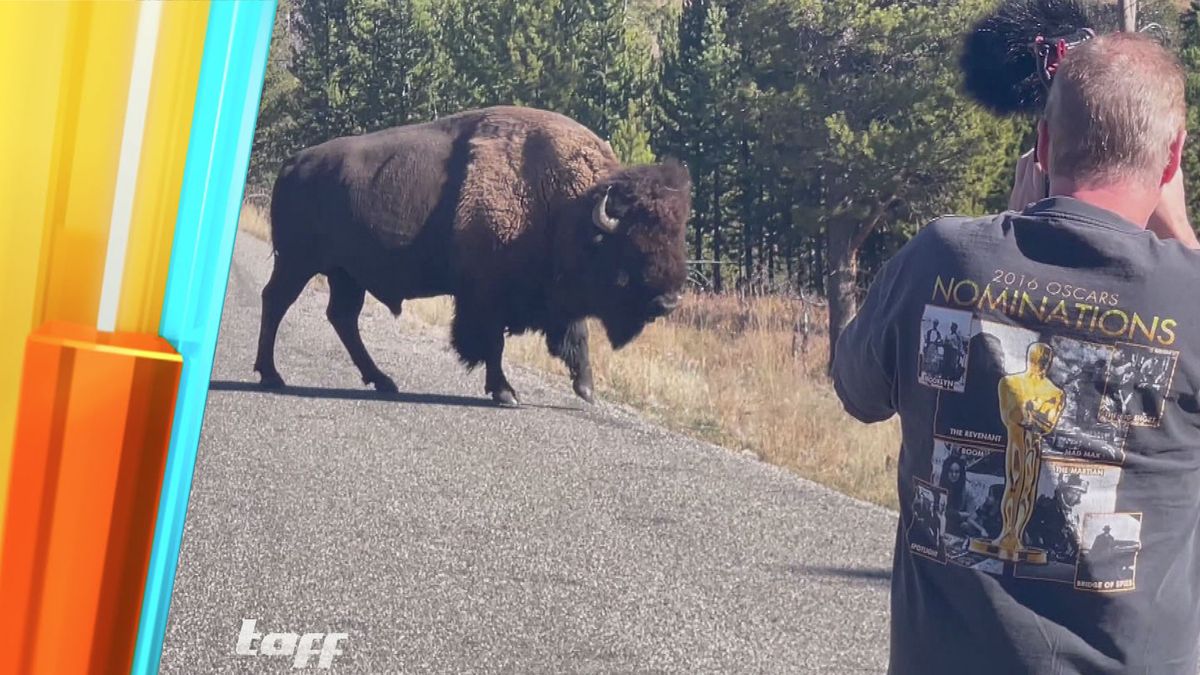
[{"x": 227, "y": 97}]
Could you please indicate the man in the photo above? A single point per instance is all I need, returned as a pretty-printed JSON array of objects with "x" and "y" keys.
[
  {"x": 1103, "y": 545},
  {"x": 1169, "y": 220},
  {"x": 1091, "y": 383},
  {"x": 926, "y": 529},
  {"x": 952, "y": 350},
  {"x": 1119, "y": 387},
  {"x": 933, "y": 336},
  {"x": 933, "y": 341},
  {"x": 1077, "y": 272},
  {"x": 1055, "y": 524},
  {"x": 988, "y": 521},
  {"x": 1103, "y": 559}
]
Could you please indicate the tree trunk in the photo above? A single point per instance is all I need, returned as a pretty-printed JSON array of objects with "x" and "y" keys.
[
  {"x": 698, "y": 222},
  {"x": 845, "y": 240},
  {"x": 769, "y": 250},
  {"x": 842, "y": 260},
  {"x": 1128, "y": 10},
  {"x": 789, "y": 249},
  {"x": 748, "y": 216},
  {"x": 765, "y": 264},
  {"x": 716, "y": 227}
]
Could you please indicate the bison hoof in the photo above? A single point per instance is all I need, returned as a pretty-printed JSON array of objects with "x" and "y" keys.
[
  {"x": 506, "y": 398},
  {"x": 271, "y": 381},
  {"x": 584, "y": 391},
  {"x": 382, "y": 383}
]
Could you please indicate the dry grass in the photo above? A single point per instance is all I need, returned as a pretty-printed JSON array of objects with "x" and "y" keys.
[
  {"x": 254, "y": 220},
  {"x": 725, "y": 370},
  {"x": 722, "y": 369}
]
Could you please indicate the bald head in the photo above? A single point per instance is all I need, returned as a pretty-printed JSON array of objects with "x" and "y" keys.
[{"x": 1115, "y": 113}]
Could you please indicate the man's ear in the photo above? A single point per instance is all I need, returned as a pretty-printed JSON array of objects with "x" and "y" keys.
[
  {"x": 1175, "y": 159},
  {"x": 1043, "y": 147}
]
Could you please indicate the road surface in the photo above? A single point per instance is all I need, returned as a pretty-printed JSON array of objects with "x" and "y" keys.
[{"x": 443, "y": 534}]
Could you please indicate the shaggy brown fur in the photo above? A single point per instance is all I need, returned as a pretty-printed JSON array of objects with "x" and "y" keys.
[
  {"x": 493, "y": 206},
  {"x": 524, "y": 164}
]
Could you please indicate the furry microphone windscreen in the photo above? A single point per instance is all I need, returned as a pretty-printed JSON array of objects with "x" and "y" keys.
[{"x": 999, "y": 62}]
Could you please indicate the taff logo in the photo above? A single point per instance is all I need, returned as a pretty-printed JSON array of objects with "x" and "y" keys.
[{"x": 303, "y": 647}]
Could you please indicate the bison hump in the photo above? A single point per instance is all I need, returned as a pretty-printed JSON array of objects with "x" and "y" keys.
[{"x": 522, "y": 167}]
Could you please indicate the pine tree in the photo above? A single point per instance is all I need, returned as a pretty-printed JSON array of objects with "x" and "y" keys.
[
  {"x": 322, "y": 70},
  {"x": 394, "y": 68},
  {"x": 277, "y": 109},
  {"x": 696, "y": 120},
  {"x": 475, "y": 41},
  {"x": 865, "y": 100},
  {"x": 1190, "y": 55},
  {"x": 611, "y": 66},
  {"x": 631, "y": 138}
]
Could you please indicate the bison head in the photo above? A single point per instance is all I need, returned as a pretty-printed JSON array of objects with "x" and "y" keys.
[{"x": 635, "y": 250}]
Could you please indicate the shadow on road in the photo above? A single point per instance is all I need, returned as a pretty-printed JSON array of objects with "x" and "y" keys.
[
  {"x": 354, "y": 394},
  {"x": 873, "y": 575}
]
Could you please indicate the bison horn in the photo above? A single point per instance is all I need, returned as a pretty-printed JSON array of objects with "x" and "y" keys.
[{"x": 600, "y": 215}]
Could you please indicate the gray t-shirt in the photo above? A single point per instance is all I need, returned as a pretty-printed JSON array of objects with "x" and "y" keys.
[{"x": 1050, "y": 466}]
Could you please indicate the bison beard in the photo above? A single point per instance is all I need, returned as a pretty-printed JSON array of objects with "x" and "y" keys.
[{"x": 524, "y": 216}]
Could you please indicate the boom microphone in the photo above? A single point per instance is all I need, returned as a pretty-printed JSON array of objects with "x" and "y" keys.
[{"x": 1010, "y": 56}]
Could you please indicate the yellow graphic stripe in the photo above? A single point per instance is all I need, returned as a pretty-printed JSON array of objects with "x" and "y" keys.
[
  {"x": 33, "y": 39},
  {"x": 160, "y": 175},
  {"x": 137, "y": 105},
  {"x": 64, "y": 90},
  {"x": 82, "y": 192}
]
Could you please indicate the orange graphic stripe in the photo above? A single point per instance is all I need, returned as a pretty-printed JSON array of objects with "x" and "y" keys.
[{"x": 86, "y": 475}]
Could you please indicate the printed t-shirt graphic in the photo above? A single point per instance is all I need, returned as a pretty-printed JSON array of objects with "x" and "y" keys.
[{"x": 1029, "y": 438}]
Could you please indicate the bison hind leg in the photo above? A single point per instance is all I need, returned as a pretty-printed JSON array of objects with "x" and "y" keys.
[
  {"x": 287, "y": 281},
  {"x": 346, "y": 298}
]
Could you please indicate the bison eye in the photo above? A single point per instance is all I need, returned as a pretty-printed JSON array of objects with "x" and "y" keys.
[{"x": 622, "y": 278}]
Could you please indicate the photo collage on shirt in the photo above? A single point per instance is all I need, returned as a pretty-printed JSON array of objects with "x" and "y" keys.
[
  {"x": 972, "y": 478},
  {"x": 1136, "y": 389},
  {"x": 1111, "y": 543},
  {"x": 1067, "y": 493},
  {"x": 1072, "y": 402},
  {"x": 928, "y": 523},
  {"x": 942, "y": 361}
]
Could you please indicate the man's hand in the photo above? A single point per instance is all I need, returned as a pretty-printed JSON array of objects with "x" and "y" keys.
[
  {"x": 1029, "y": 185},
  {"x": 1170, "y": 218}
]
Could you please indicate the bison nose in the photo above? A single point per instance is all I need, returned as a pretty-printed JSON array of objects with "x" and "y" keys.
[{"x": 663, "y": 304}]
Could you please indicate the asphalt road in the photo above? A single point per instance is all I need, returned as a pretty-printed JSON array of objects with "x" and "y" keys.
[{"x": 443, "y": 534}]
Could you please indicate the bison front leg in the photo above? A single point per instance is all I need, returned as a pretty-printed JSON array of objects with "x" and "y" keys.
[
  {"x": 346, "y": 298},
  {"x": 478, "y": 337},
  {"x": 570, "y": 343}
]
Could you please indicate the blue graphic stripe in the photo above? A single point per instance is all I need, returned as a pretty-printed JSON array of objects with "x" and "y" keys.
[{"x": 231, "y": 80}]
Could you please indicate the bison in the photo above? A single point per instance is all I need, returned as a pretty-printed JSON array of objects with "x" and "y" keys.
[{"x": 524, "y": 216}]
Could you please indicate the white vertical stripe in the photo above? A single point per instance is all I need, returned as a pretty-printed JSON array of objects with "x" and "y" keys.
[{"x": 145, "y": 44}]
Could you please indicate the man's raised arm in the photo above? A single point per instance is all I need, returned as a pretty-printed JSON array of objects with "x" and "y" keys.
[{"x": 864, "y": 364}]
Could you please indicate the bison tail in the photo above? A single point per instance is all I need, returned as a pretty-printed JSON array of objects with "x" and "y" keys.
[{"x": 283, "y": 208}]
